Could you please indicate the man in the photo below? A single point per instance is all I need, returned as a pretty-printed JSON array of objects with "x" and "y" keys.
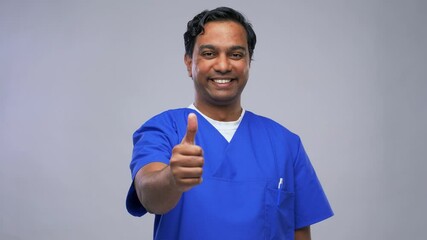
[{"x": 214, "y": 170}]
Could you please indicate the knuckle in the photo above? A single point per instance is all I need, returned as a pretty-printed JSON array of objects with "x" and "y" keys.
[{"x": 177, "y": 148}]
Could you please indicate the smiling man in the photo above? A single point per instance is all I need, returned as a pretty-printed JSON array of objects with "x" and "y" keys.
[
  {"x": 219, "y": 66},
  {"x": 214, "y": 170}
]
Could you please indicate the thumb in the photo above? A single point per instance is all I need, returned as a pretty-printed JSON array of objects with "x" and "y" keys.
[{"x": 191, "y": 129}]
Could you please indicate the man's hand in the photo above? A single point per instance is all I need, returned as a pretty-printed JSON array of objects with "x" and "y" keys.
[
  {"x": 159, "y": 186},
  {"x": 186, "y": 163}
]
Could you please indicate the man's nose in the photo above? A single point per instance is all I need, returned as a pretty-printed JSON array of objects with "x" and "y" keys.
[{"x": 222, "y": 64}]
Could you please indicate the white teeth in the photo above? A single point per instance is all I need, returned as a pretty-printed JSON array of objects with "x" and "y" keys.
[{"x": 222, "y": 80}]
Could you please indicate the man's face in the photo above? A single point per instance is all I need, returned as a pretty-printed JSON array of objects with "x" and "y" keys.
[{"x": 220, "y": 63}]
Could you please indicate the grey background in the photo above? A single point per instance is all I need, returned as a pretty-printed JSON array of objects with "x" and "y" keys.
[{"x": 78, "y": 77}]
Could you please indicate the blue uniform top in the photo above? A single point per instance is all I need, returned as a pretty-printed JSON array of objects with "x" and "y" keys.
[{"x": 240, "y": 196}]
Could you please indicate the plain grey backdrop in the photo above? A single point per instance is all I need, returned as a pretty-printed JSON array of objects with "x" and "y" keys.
[{"x": 78, "y": 77}]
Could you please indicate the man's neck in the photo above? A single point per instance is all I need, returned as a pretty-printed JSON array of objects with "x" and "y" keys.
[{"x": 226, "y": 113}]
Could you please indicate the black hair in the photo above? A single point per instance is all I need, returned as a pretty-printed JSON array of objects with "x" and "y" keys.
[{"x": 195, "y": 27}]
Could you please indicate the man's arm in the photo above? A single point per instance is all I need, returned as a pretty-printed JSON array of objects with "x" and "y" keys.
[
  {"x": 154, "y": 190},
  {"x": 303, "y": 233},
  {"x": 159, "y": 186}
]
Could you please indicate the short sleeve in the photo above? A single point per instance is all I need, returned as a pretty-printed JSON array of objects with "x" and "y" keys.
[
  {"x": 153, "y": 142},
  {"x": 311, "y": 204}
]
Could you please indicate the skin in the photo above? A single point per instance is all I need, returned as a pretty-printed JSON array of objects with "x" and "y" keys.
[
  {"x": 219, "y": 68},
  {"x": 303, "y": 233},
  {"x": 221, "y": 52}
]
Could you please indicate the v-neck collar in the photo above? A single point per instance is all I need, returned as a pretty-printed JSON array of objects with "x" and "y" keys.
[{"x": 216, "y": 124}]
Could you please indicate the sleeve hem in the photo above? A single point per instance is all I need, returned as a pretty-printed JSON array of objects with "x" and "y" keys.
[{"x": 313, "y": 220}]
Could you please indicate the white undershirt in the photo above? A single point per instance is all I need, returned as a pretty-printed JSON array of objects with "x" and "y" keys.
[{"x": 227, "y": 129}]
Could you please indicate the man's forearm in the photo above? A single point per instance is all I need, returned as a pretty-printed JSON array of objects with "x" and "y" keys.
[
  {"x": 303, "y": 233},
  {"x": 154, "y": 188}
]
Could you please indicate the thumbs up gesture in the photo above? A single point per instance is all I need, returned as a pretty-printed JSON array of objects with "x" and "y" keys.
[
  {"x": 186, "y": 163},
  {"x": 191, "y": 130}
]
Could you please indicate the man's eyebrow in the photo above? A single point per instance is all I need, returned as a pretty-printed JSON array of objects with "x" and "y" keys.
[
  {"x": 237, "y": 47},
  {"x": 208, "y": 46},
  {"x": 232, "y": 48}
]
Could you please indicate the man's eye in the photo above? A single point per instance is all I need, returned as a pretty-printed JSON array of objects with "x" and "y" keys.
[
  {"x": 237, "y": 55},
  {"x": 208, "y": 54}
]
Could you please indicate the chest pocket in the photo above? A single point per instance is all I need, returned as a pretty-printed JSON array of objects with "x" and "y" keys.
[{"x": 279, "y": 214}]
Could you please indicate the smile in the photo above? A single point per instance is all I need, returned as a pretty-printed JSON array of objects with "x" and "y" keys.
[{"x": 222, "y": 80}]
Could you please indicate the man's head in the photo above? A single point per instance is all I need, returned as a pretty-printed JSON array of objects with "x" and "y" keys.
[
  {"x": 196, "y": 27},
  {"x": 219, "y": 46}
]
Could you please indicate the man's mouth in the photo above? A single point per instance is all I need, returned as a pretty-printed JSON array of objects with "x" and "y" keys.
[{"x": 222, "y": 81}]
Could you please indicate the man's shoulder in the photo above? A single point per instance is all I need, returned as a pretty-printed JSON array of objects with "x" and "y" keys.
[
  {"x": 166, "y": 122},
  {"x": 166, "y": 118},
  {"x": 269, "y": 123},
  {"x": 171, "y": 114}
]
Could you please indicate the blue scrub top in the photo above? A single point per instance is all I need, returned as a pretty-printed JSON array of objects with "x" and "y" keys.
[{"x": 240, "y": 197}]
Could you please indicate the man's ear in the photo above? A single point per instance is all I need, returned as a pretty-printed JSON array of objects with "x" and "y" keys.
[{"x": 188, "y": 62}]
